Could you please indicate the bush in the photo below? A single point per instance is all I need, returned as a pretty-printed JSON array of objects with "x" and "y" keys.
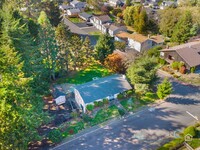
[
  {"x": 164, "y": 89},
  {"x": 90, "y": 107},
  {"x": 190, "y": 130},
  {"x": 161, "y": 61},
  {"x": 182, "y": 69},
  {"x": 129, "y": 93},
  {"x": 96, "y": 104},
  {"x": 192, "y": 69},
  {"x": 176, "y": 76},
  {"x": 105, "y": 101},
  {"x": 175, "y": 65},
  {"x": 120, "y": 96},
  {"x": 86, "y": 118},
  {"x": 74, "y": 114},
  {"x": 55, "y": 136},
  {"x": 121, "y": 112},
  {"x": 174, "y": 144},
  {"x": 100, "y": 103}
]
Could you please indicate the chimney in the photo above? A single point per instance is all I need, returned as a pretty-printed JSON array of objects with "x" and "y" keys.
[
  {"x": 167, "y": 46},
  {"x": 149, "y": 36}
]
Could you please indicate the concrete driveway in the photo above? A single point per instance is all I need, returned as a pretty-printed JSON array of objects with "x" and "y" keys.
[{"x": 146, "y": 129}]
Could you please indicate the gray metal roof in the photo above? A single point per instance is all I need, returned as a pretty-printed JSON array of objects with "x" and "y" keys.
[{"x": 103, "y": 87}]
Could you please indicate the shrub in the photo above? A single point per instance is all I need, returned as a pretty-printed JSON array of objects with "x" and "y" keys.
[
  {"x": 105, "y": 101},
  {"x": 120, "y": 96},
  {"x": 55, "y": 136},
  {"x": 90, "y": 107},
  {"x": 192, "y": 69},
  {"x": 182, "y": 69},
  {"x": 190, "y": 130},
  {"x": 164, "y": 89},
  {"x": 74, "y": 114},
  {"x": 176, "y": 76},
  {"x": 86, "y": 118},
  {"x": 96, "y": 104},
  {"x": 129, "y": 93},
  {"x": 100, "y": 103},
  {"x": 175, "y": 65},
  {"x": 121, "y": 112}
]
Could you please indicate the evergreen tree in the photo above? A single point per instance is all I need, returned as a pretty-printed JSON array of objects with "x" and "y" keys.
[
  {"x": 87, "y": 52},
  {"x": 182, "y": 29},
  {"x": 164, "y": 89},
  {"x": 142, "y": 71},
  {"x": 49, "y": 48},
  {"x": 104, "y": 47},
  {"x": 75, "y": 52},
  {"x": 63, "y": 38}
]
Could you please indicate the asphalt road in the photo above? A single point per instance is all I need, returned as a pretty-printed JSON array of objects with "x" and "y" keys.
[{"x": 146, "y": 129}]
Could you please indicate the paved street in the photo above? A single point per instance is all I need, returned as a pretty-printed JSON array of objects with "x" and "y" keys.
[{"x": 146, "y": 129}]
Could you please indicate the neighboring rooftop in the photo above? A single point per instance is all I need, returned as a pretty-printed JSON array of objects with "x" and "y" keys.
[
  {"x": 85, "y": 15},
  {"x": 138, "y": 37},
  {"x": 104, "y": 18},
  {"x": 103, "y": 87},
  {"x": 190, "y": 52}
]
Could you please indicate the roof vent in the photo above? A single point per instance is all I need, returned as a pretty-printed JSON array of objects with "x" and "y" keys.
[{"x": 199, "y": 53}]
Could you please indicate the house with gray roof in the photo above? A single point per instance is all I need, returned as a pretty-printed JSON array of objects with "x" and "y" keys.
[
  {"x": 78, "y": 4},
  {"x": 85, "y": 16},
  {"x": 73, "y": 12},
  {"x": 188, "y": 53},
  {"x": 98, "y": 89}
]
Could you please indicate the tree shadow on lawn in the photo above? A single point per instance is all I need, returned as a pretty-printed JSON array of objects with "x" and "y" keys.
[{"x": 122, "y": 134}]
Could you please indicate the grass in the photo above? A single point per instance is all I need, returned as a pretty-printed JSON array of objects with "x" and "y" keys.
[
  {"x": 96, "y": 34},
  {"x": 104, "y": 115},
  {"x": 75, "y": 20},
  {"x": 131, "y": 104},
  {"x": 128, "y": 104},
  {"x": 86, "y": 75}
]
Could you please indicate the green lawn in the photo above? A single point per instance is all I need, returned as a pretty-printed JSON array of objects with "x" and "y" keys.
[
  {"x": 131, "y": 104},
  {"x": 75, "y": 20},
  {"x": 86, "y": 75},
  {"x": 96, "y": 34}
]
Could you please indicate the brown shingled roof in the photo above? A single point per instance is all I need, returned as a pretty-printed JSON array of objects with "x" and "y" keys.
[
  {"x": 138, "y": 37},
  {"x": 190, "y": 52}
]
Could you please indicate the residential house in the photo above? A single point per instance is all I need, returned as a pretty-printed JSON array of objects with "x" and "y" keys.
[
  {"x": 98, "y": 89},
  {"x": 122, "y": 37},
  {"x": 114, "y": 29},
  {"x": 115, "y": 3},
  {"x": 99, "y": 21},
  {"x": 139, "y": 42},
  {"x": 188, "y": 53},
  {"x": 78, "y": 5},
  {"x": 73, "y": 12},
  {"x": 64, "y": 7},
  {"x": 85, "y": 16}
]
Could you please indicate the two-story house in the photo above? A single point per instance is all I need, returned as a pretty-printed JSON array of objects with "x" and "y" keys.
[{"x": 100, "y": 21}]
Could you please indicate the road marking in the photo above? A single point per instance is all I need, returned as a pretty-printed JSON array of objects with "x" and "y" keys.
[{"x": 195, "y": 117}]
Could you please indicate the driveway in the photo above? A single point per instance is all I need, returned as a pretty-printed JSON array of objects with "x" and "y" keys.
[
  {"x": 144, "y": 130},
  {"x": 74, "y": 28}
]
